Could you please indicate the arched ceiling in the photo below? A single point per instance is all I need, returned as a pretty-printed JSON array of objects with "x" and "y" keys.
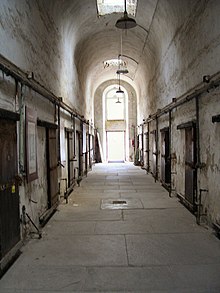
[
  {"x": 96, "y": 39},
  {"x": 93, "y": 39}
]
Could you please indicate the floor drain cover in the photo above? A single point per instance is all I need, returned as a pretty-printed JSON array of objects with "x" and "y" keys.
[{"x": 119, "y": 202}]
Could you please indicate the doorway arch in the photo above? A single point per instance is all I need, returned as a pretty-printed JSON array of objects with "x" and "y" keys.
[
  {"x": 104, "y": 124},
  {"x": 115, "y": 124}
]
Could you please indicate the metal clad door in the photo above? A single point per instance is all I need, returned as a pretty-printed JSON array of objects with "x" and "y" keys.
[
  {"x": 9, "y": 196},
  {"x": 190, "y": 178},
  {"x": 79, "y": 152},
  {"x": 70, "y": 147},
  {"x": 154, "y": 150},
  {"x": 53, "y": 189},
  {"x": 165, "y": 157}
]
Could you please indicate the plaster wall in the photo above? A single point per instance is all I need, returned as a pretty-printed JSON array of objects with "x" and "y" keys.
[
  {"x": 33, "y": 195},
  {"x": 208, "y": 172},
  {"x": 34, "y": 39},
  {"x": 185, "y": 47}
]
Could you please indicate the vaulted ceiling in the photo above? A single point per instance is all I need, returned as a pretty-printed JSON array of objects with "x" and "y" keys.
[{"x": 169, "y": 50}]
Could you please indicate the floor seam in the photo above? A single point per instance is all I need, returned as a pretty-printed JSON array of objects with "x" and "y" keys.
[{"x": 126, "y": 249}]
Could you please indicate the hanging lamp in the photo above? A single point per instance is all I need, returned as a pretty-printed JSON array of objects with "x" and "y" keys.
[
  {"x": 125, "y": 22},
  {"x": 122, "y": 68},
  {"x": 119, "y": 92}
]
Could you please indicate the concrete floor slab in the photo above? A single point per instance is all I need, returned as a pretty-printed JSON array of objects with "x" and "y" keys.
[
  {"x": 171, "y": 220},
  {"x": 122, "y": 227},
  {"x": 156, "y": 249},
  {"x": 154, "y": 279},
  {"x": 38, "y": 278},
  {"x": 153, "y": 203},
  {"x": 172, "y": 249},
  {"x": 82, "y": 216},
  {"x": 54, "y": 228},
  {"x": 77, "y": 250}
]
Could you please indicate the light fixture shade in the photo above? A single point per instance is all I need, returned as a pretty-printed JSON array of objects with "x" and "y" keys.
[
  {"x": 118, "y": 101},
  {"x": 125, "y": 22},
  {"x": 122, "y": 71},
  {"x": 120, "y": 92}
]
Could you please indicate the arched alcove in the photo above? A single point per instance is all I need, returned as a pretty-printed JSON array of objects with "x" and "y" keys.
[{"x": 108, "y": 123}]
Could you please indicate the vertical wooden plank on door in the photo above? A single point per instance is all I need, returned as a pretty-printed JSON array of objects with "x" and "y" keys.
[{"x": 9, "y": 195}]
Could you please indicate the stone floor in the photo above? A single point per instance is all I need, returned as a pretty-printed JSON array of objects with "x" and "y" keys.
[{"x": 146, "y": 242}]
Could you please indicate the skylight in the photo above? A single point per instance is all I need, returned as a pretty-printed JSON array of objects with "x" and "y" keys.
[
  {"x": 114, "y": 63},
  {"x": 116, "y": 6}
]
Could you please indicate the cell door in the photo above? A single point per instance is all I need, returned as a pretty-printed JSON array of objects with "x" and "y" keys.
[
  {"x": 9, "y": 195},
  {"x": 71, "y": 158},
  {"x": 190, "y": 161},
  {"x": 52, "y": 167},
  {"x": 79, "y": 153},
  {"x": 165, "y": 157},
  {"x": 154, "y": 153}
]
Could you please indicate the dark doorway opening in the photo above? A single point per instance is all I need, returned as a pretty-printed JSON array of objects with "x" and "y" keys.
[
  {"x": 9, "y": 193},
  {"x": 165, "y": 158}
]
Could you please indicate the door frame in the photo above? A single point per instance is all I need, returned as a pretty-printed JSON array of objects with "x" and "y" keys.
[{"x": 190, "y": 204}]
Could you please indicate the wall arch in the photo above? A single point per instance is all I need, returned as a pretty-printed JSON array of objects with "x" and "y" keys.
[{"x": 99, "y": 119}]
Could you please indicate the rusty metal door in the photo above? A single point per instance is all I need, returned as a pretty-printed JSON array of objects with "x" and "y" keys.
[
  {"x": 79, "y": 153},
  {"x": 52, "y": 167},
  {"x": 154, "y": 150},
  {"x": 190, "y": 161},
  {"x": 9, "y": 195},
  {"x": 165, "y": 157},
  {"x": 71, "y": 158}
]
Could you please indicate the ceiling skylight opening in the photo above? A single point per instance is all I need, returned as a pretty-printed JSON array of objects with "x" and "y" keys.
[
  {"x": 116, "y": 6},
  {"x": 114, "y": 63}
]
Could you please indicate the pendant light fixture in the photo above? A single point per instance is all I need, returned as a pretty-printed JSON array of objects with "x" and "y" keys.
[
  {"x": 122, "y": 68},
  {"x": 125, "y": 22},
  {"x": 119, "y": 92}
]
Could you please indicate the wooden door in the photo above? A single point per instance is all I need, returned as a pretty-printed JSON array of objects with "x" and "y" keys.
[
  {"x": 9, "y": 195},
  {"x": 52, "y": 167}
]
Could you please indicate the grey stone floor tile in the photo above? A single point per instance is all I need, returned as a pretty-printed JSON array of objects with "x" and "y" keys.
[
  {"x": 122, "y": 227},
  {"x": 156, "y": 249},
  {"x": 44, "y": 278},
  {"x": 82, "y": 203},
  {"x": 77, "y": 250},
  {"x": 56, "y": 228},
  {"x": 153, "y": 203},
  {"x": 172, "y": 249},
  {"x": 154, "y": 279},
  {"x": 95, "y": 194},
  {"x": 102, "y": 187},
  {"x": 88, "y": 216},
  {"x": 145, "y": 195}
]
